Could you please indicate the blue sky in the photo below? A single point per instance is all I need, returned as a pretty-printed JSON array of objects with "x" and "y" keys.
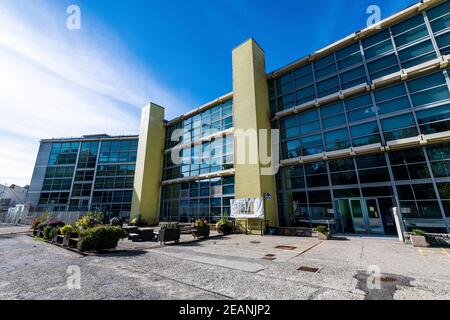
[{"x": 57, "y": 82}]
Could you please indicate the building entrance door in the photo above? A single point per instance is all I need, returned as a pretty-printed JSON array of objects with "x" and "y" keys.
[
  {"x": 375, "y": 222},
  {"x": 364, "y": 214}
]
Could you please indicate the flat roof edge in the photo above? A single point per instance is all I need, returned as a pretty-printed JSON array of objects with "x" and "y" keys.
[
  {"x": 358, "y": 35},
  {"x": 203, "y": 107},
  {"x": 88, "y": 138}
]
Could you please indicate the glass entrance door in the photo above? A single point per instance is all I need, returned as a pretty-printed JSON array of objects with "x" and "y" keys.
[
  {"x": 364, "y": 214},
  {"x": 357, "y": 212},
  {"x": 375, "y": 222}
]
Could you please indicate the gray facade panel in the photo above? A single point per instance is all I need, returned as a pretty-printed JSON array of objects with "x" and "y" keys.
[{"x": 39, "y": 173}]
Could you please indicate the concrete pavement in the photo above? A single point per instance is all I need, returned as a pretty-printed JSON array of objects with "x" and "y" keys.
[{"x": 231, "y": 267}]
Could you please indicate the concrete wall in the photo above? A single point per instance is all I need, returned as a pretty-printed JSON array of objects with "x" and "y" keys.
[
  {"x": 251, "y": 112},
  {"x": 37, "y": 179},
  {"x": 149, "y": 162}
]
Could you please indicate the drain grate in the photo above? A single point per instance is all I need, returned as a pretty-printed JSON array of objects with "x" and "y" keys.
[
  {"x": 309, "y": 269},
  {"x": 388, "y": 279},
  {"x": 269, "y": 257},
  {"x": 255, "y": 242},
  {"x": 285, "y": 247}
]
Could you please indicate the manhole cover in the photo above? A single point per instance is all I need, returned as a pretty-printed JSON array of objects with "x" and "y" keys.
[
  {"x": 270, "y": 255},
  {"x": 285, "y": 247},
  {"x": 308, "y": 269},
  {"x": 255, "y": 242}
]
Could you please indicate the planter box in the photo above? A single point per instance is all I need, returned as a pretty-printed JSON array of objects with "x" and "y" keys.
[
  {"x": 146, "y": 234},
  {"x": 131, "y": 229},
  {"x": 200, "y": 232},
  {"x": 169, "y": 235},
  {"x": 225, "y": 230},
  {"x": 59, "y": 239},
  {"x": 55, "y": 239},
  {"x": 323, "y": 236},
  {"x": 69, "y": 241},
  {"x": 419, "y": 241}
]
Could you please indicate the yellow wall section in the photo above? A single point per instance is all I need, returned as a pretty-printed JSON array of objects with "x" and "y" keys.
[
  {"x": 251, "y": 111},
  {"x": 148, "y": 174}
]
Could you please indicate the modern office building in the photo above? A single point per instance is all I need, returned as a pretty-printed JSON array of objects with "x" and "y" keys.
[
  {"x": 91, "y": 173},
  {"x": 363, "y": 127}
]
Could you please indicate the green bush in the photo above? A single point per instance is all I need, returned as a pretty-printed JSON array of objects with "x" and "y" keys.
[
  {"x": 116, "y": 222},
  {"x": 225, "y": 225},
  {"x": 419, "y": 233},
  {"x": 322, "y": 229},
  {"x": 201, "y": 223},
  {"x": 89, "y": 220},
  {"x": 42, "y": 226},
  {"x": 47, "y": 232},
  {"x": 100, "y": 238},
  {"x": 68, "y": 229},
  {"x": 54, "y": 232}
]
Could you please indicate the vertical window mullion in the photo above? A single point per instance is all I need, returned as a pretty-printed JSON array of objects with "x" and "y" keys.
[{"x": 430, "y": 31}]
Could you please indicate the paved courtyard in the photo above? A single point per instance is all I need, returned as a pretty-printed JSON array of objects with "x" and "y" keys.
[{"x": 232, "y": 267}]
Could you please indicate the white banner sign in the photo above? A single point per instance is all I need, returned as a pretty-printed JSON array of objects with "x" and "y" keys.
[{"x": 247, "y": 208}]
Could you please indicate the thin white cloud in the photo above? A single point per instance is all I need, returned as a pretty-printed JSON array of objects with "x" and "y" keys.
[{"x": 56, "y": 83}]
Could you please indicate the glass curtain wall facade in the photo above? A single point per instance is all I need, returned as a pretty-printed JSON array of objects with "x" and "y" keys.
[
  {"x": 364, "y": 127},
  {"x": 89, "y": 174},
  {"x": 189, "y": 192},
  {"x": 357, "y": 192}
]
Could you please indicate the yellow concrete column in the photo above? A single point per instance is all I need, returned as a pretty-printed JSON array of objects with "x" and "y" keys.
[
  {"x": 149, "y": 162},
  {"x": 251, "y": 114}
]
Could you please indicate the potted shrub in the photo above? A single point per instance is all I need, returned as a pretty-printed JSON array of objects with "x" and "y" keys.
[
  {"x": 201, "y": 229},
  {"x": 100, "y": 238},
  {"x": 69, "y": 232},
  {"x": 116, "y": 222},
  {"x": 51, "y": 229},
  {"x": 40, "y": 229},
  {"x": 169, "y": 231},
  {"x": 138, "y": 221},
  {"x": 323, "y": 233},
  {"x": 224, "y": 226},
  {"x": 54, "y": 233},
  {"x": 89, "y": 220},
  {"x": 418, "y": 239},
  {"x": 34, "y": 225}
]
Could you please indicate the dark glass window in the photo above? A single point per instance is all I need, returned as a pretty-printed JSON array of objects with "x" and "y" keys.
[
  {"x": 439, "y": 17},
  {"x": 364, "y": 134},
  {"x": 399, "y": 127},
  {"x": 377, "y": 44},
  {"x": 360, "y": 107},
  {"x": 417, "y": 54},
  {"x": 383, "y": 66},
  {"x": 327, "y": 87},
  {"x": 429, "y": 89},
  {"x": 410, "y": 30},
  {"x": 434, "y": 120},
  {"x": 371, "y": 161},
  {"x": 391, "y": 99},
  {"x": 311, "y": 144},
  {"x": 353, "y": 77},
  {"x": 336, "y": 140}
]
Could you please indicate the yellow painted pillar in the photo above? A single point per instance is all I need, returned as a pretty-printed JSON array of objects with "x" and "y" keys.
[
  {"x": 149, "y": 162},
  {"x": 251, "y": 114}
]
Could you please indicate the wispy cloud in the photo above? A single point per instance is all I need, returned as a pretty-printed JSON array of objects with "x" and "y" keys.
[{"x": 55, "y": 83}]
